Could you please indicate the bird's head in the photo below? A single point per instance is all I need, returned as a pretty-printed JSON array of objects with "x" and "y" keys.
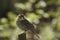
[{"x": 21, "y": 17}]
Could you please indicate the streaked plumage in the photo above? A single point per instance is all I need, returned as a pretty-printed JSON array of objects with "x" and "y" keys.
[{"x": 24, "y": 24}]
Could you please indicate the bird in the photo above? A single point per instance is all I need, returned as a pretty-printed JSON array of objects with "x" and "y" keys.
[{"x": 25, "y": 25}]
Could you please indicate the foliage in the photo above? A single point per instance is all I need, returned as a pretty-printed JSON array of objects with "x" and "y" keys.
[{"x": 44, "y": 14}]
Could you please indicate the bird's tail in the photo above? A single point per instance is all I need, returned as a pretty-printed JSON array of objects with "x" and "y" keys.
[
  {"x": 37, "y": 35},
  {"x": 35, "y": 32}
]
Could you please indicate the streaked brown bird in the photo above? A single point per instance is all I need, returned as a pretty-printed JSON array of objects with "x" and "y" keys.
[{"x": 25, "y": 25}]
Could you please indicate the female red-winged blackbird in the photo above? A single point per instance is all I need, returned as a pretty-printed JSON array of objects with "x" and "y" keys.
[{"x": 24, "y": 24}]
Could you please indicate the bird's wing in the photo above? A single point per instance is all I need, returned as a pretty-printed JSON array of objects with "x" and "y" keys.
[{"x": 27, "y": 24}]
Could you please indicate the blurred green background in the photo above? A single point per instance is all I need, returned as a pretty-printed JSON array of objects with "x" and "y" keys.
[{"x": 44, "y": 14}]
